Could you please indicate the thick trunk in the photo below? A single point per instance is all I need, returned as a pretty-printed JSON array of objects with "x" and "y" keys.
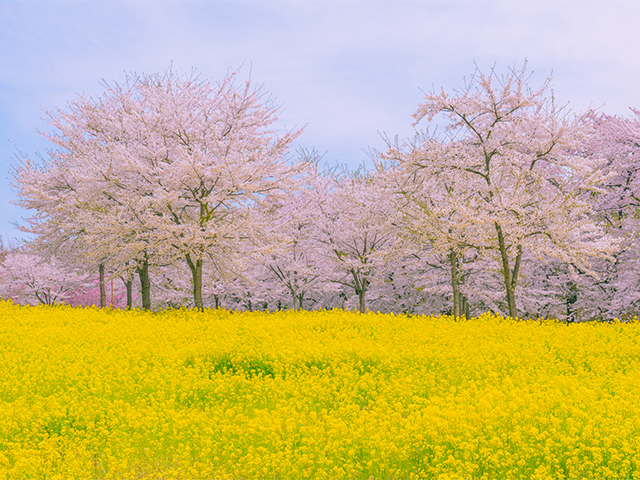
[
  {"x": 361, "y": 298},
  {"x": 145, "y": 284},
  {"x": 298, "y": 298},
  {"x": 510, "y": 277},
  {"x": 294, "y": 297},
  {"x": 196, "y": 274},
  {"x": 103, "y": 292}
]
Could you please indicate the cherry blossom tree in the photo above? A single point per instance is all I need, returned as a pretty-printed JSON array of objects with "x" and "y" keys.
[
  {"x": 617, "y": 141},
  {"x": 28, "y": 278},
  {"x": 290, "y": 255},
  {"x": 506, "y": 177},
  {"x": 429, "y": 220},
  {"x": 355, "y": 227},
  {"x": 78, "y": 213},
  {"x": 159, "y": 168},
  {"x": 215, "y": 157}
]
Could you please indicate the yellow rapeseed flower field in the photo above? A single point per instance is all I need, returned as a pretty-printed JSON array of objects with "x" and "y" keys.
[{"x": 104, "y": 394}]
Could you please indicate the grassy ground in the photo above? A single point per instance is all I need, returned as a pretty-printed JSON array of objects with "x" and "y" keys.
[{"x": 92, "y": 394}]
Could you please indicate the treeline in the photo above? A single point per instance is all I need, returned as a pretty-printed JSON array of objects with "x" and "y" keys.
[{"x": 174, "y": 191}]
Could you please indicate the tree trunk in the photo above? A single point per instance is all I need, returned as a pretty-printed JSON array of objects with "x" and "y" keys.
[
  {"x": 129, "y": 286},
  {"x": 464, "y": 307},
  {"x": 572, "y": 298},
  {"x": 145, "y": 284},
  {"x": 294, "y": 296},
  {"x": 510, "y": 277},
  {"x": 300, "y": 301},
  {"x": 361, "y": 298},
  {"x": 103, "y": 292},
  {"x": 455, "y": 284},
  {"x": 196, "y": 274},
  {"x": 360, "y": 286}
]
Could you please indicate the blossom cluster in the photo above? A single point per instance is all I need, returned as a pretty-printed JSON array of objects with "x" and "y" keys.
[{"x": 180, "y": 394}]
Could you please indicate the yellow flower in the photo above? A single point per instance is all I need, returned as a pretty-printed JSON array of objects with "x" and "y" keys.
[{"x": 90, "y": 393}]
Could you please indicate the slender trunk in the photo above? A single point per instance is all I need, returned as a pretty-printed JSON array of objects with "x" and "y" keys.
[
  {"x": 300, "y": 301},
  {"x": 196, "y": 274},
  {"x": 572, "y": 297},
  {"x": 216, "y": 300},
  {"x": 129, "y": 286},
  {"x": 103, "y": 292},
  {"x": 464, "y": 307},
  {"x": 510, "y": 277},
  {"x": 360, "y": 286},
  {"x": 145, "y": 284},
  {"x": 455, "y": 284}
]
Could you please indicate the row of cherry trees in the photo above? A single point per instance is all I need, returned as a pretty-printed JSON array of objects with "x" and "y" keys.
[{"x": 517, "y": 206}]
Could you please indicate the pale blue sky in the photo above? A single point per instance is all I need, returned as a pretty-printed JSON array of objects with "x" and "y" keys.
[{"x": 347, "y": 68}]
